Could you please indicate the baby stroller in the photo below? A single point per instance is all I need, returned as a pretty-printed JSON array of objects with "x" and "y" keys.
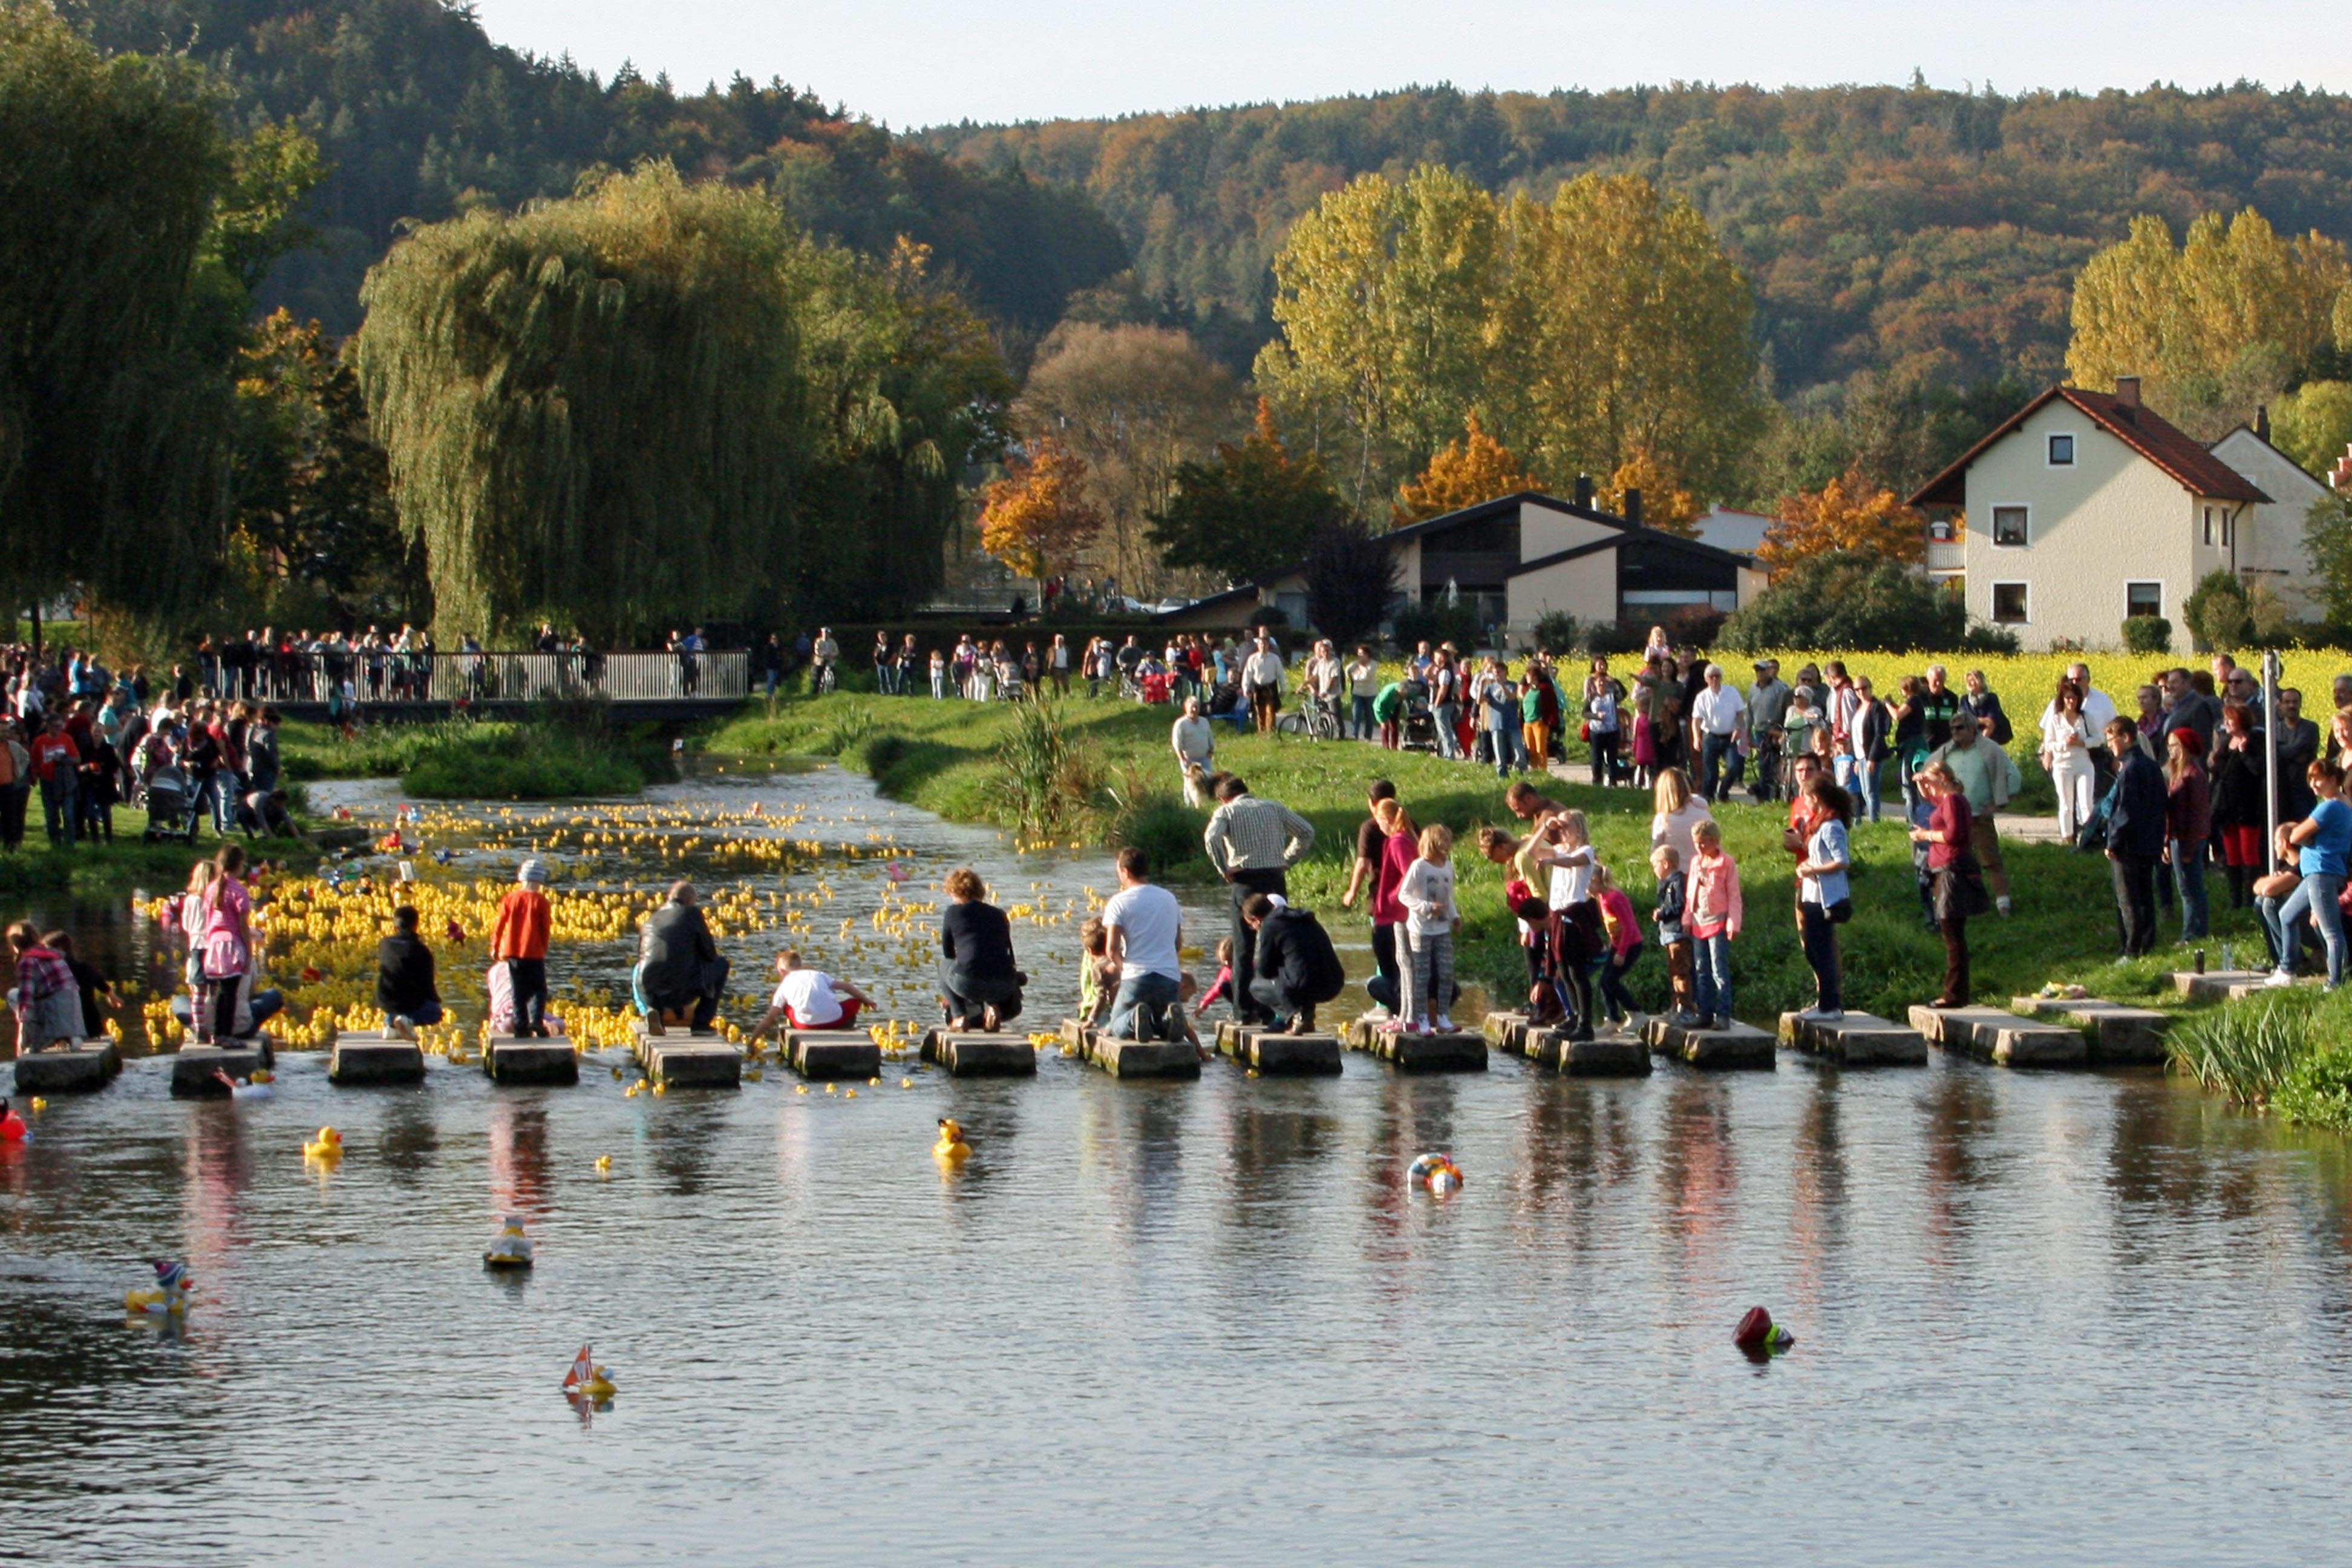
[
  {"x": 1419, "y": 732},
  {"x": 167, "y": 807}
]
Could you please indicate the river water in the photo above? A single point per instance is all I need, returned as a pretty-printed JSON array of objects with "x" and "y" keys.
[{"x": 2079, "y": 1319}]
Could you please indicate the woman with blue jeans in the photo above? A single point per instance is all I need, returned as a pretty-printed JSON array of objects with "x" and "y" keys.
[
  {"x": 1713, "y": 918},
  {"x": 2189, "y": 828},
  {"x": 2321, "y": 844}
]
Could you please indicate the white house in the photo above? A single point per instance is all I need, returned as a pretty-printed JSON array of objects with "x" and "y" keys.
[
  {"x": 1727, "y": 528},
  {"x": 1518, "y": 557},
  {"x": 2084, "y": 508},
  {"x": 2269, "y": 548}
]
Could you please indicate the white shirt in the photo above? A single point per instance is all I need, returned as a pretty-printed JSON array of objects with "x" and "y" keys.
[
  {"x": 1151, "y": 917},
  {"x": 1262, "y": 669},
  {"x": 1364, "y": 677},
  {"x": 1193, "y": 738},
  {"x": 2057, "y": 727},
  {"x": 1061, "y": 655},
  {"x": 2098, "y": 712},
  {"x": 1570, "y": 885},
  {"x": 808, "y": 993},
  {"x": 1675, "y": 830},
  {"x": 1426, "y": 891},
  {"x": 1718, "y": 710}
]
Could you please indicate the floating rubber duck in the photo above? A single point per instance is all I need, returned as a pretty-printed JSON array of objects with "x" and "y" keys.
[
  {"x": 906, "y": 1083},
  {"x": 169, "y": 1296},
  {"x": 510, "y": 1248},
  {"x": 1438, "y": 1173},
  {"x": 951, "y": 1147},
  {"x": 587, "y": 1379},
  {"x": 604, "y": 1165},
  {"x": 259, "y": 1087},
  {"x": 328, "y": 1145},
  {"x": 897, "y": 871},
  {"x": 1759, "y": 1336},
  {"x": 39, "y": 1105}
]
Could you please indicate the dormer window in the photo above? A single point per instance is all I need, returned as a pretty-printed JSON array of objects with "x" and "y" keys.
[{"x": 2062, "y": 451}]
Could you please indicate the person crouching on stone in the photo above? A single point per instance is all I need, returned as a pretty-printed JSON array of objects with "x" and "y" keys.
[
  {"x": 1296, "y": 969},
  {"x": 678, "y": 966}
]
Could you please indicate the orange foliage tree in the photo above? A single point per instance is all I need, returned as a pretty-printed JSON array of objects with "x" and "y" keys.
[
  {"x": 1667, "y": 506},
  {"x": 1474, "y": 468},
  {"x": 1037, "y": 519},
  {"x": 1847, "y": 513}
]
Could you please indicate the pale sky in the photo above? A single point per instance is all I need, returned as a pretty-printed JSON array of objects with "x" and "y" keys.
[{"x": 921, "y": 62}]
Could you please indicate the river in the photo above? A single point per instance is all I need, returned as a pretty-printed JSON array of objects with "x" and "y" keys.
[{"x": 2057, "y": 1318}]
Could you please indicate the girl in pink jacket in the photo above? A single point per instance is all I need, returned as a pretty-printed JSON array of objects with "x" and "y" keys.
[{"x": 1712, "y": 920}]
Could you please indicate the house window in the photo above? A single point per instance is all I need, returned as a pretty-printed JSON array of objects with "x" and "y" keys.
[
  {"x": 2008, "y": 525},
  {"x": 2208, "y": 525},
  {"x": 2008, "y": 604},
  {"x": 2228, "y": 530},
  {"x": 2062, "y": 451},
  {"x": 2142, "y": 599}
]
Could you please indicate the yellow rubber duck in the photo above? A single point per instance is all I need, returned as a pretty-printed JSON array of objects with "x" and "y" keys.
[
  {"x": 169, "y": 1296},
  {"x": 588, "y": 1380},
  {"x": 952, "y": 1148},
  {"x": 328, "y": 1145},
  {"x": 510, "y": 1248},
  {"x": 39, "y": 1105},
  {"x": 604, "y": 1165}
]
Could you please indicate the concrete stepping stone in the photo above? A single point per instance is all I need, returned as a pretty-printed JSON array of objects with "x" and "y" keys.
[
  {"x": 973, "y": 1053},
  {"x": 1999, "y": 1036},
  {"x": 1611, "y": 1053},
  {"x": 1740, "y": 1047},
  {"x": 358, "y": 1059},
  {"x": 822, "y": 1054},
  {"x": 84, "y": 1068},
  {"x": 2223, "y": 984},
  {"x": 2119, "y": 1036},
  {"x": 517, "y": 1060},
  {"x": 194, "y": 1067},
  {"x": 1507, "y": 1033},
  {"x": 1455, "y": 1050},
  {"x": 1134, "y": 1058},
  {"x": 1270, "y": 1053},
  {"x": 1858, "y": 1039}
]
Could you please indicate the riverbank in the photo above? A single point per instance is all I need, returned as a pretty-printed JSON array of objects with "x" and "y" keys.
[
  {"x": 106, "y": 870},
  {"x": 459, "y": 759},
  {"x": 946, "y": 757}
]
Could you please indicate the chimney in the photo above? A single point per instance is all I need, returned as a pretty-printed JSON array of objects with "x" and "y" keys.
[
  {"x": 1584, "y": 489},
  {"x": 2127, "y": 391},
  {"x": 2262, "y": 420},
  {"x": 1633, "y": 507}
]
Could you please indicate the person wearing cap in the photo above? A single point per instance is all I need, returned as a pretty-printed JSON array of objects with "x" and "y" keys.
[
  {"x": 1768, "y": 701},
  {"x": 2188, "y": 827},
  {"x": 518, "y": 940},
  {"x": 1988, "y": 779}
]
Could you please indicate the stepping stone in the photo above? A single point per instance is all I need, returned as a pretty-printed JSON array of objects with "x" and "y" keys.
[
  {"x": 1858, "y": 1039},
  {"x": 681, "y": 1060},
  {"x": 194, "y": 1067},
  {"x": 86, "y": 1067},
  {"x": 1270, "y": 1053},
  {"x": 2119, "y": 1036},
  {"x": 832, "y": 1053},
  {"x": 1142, "y": 1059},
  {"x": 1455, "y": 1050},
  {"x": 1507, "y": 1032},
  {"x": 358, "y": 1059},
  {"x": 974, "y": 1054},
  {"x": 1740, "y": 1047},
  {"x": 1999, "y": 1036},
  {"x": 1612, "y": 1053},
  {"x": 2221, "y": 985},
  {"x": 513, "y": 1059}
]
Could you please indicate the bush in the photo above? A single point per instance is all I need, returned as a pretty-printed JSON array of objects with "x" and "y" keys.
[
  {"x": 1440, "y": 623},
  {"x": 2219, "y": 612},
  {"x": 2147, "y": 633},
  {"x": 1695, "y": 626},
  {"x": 2319, "y": 1088},
  {"x": 1555, "y": 633},
  {"x": 1847, "y": 599}
]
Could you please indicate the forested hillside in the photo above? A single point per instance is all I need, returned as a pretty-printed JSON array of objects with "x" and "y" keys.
[
  {"x": 421, "y": 116},
  {"x": 1904, "y": 230}
]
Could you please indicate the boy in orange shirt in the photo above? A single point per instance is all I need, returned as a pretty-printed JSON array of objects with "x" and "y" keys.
[{"x": 518, "y": 940}]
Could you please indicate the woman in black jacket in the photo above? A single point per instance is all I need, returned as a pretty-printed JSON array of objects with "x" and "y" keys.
[
  {"x": 978, "y": 976},
  {"x": 1871, "y": 743},
  {"x": 2240, "y": 806}
]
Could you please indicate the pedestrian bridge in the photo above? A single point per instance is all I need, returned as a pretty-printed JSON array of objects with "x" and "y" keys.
[{"x": 385, "y": 685}]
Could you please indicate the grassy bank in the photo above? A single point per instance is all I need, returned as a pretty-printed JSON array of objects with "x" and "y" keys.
[
  {"x": 945, "y": 757},
  {"x": 2288, "y": 1052},
  {"x": 102, "y": 871},
  {"x": 486, "y": 759}
]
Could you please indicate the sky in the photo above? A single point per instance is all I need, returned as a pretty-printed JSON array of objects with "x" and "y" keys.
[{"x": 923, "y": 62}]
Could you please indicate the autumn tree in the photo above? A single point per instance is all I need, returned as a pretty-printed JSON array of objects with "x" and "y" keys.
[
  {"x": 2313, "y": 424},
  {"x": 2211, "y": 329},
  {"x": 1037, "y": 518},
  {"x": 1254, "y": 509},
  {"x": 1845, "y": 514},
  {"x": 1131, "y": 403},
  {"x": 1474, "y": 468},
  {"x": 1666, "y": 504}
]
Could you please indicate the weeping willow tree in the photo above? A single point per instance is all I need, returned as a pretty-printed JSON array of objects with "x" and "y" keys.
[
  {"x": 114, "y": 404},
  {"x": 657, "y": 401}
]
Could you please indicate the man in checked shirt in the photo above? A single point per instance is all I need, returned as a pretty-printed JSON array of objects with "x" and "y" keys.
[{"x": 1253, "y": 843}]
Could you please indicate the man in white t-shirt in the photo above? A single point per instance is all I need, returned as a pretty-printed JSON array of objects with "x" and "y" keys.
[
  {"x": 810, "y": 998},
  {"x": 1262, "y": 676},
  {"x": 1146, "y": 926},
  {"x": 1718, "y": 719}
]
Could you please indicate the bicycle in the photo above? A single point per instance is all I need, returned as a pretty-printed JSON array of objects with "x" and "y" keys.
[{"x": 1313, "y": 719}]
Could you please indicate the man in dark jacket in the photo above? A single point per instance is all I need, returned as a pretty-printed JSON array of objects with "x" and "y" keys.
[
  {"x": 1297, "y": 971},
  {"x": 678, "y": 966},
  {"x": 2135, "y": 833},
  {"x": 404, "y": 986}
]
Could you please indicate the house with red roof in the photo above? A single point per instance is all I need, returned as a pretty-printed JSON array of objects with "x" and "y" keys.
[{"x": 2084, "y": 508}]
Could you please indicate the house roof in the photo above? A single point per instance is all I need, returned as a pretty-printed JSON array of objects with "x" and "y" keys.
[
  {"x": 2318, "y": 485},
  {"x": 2136, "y": 426}
]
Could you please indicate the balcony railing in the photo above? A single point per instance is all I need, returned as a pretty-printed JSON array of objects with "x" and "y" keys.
[
  {"x": 714, "y": 676},
  {"x": 1946, "y": 555}
]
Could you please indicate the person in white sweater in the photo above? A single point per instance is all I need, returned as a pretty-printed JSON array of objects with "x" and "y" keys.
[{"x": 1426, "y": 956}]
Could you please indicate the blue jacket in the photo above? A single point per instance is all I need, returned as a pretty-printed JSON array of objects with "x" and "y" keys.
[{"x": 2134, "y": 807}]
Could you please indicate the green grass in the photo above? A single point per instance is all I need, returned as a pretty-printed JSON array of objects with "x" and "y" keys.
[
  {"x": 944, "y": 756},
  {"x": 107, "y": 869},
  {"x": 462, "y": 759},
  {"x": 2289, "y": 1051}
]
